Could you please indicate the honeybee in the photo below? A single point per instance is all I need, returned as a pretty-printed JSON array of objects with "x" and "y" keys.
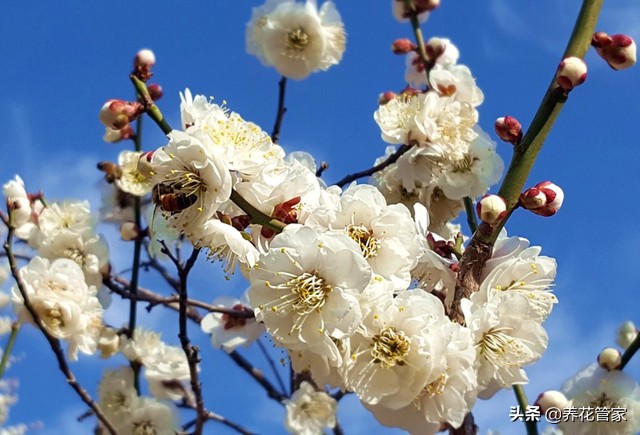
[
  {"x": 171, "y": 201},
  {"x": 111, "y": 170}
]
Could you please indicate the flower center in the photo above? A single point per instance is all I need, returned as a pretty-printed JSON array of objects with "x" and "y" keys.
[
  {"x": 369, "y": 245},
  {"x": 603, "y": 401},
  {"x": 390, "y": 347},
  {"x": 500, "y": 349},
  {"x": 76, "y": 255},
  {"x": 310, "y": 292},
  {"x": 436, "y": 387},
  {"x": 297, "y": 40},
  {"x": 144, "y": 428}
]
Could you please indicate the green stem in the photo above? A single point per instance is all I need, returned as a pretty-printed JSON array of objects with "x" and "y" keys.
[
  {"x": 257, "y": 217},
  {"x": 152, "y": 110},
  {"x": 15, "y": 327},
  {"x": 530, "y": 425},
  {"x": 527, "y": 150},
  {"x": 472, "y": 221}
]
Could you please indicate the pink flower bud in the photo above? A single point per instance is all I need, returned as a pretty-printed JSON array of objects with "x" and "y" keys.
[
  {"x": 619, "y": 51},
  {"x": 129, "y": 231},
  {"x": 427, "y": 5},
  {"x": 509, "y": 129},
  {"x": 145, "y": 57},
  {"x": 543, "y": 199},
  {"x": 142, "y": 64},
  {"x": 155, "y": 91},
  {"x": 144, "y": 165},
  {"x": 385, "y": 97},
  {"x": 572, "y": 72},
  {"x": 610, "y": 359},
  {"x": 491, "y": 209},
  {"x": 117, "y": 114},
  {"x": 402, "y": 46},
  {"x": 551, "y": 399}
]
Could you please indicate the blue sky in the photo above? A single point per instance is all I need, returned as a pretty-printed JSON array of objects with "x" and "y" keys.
[{"x": 62, "y": 60}]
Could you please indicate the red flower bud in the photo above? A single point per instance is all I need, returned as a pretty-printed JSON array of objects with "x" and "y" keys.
[
  {"x": 402, "y": 46},
  {"x": 509, "y": 129},
  {"x": 572, "y": 72},
  {"x": 619, "y": 51},
  {"x": 544, "y": 199}
]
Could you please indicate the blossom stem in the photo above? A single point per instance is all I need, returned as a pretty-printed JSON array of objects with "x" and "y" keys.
[
  {"x": 223, "y": 420},
  {"x": 15, "y": 328},
  {"x": 630, "y": 352},
  {"x": 191, "y": 352},
  {"x": 524, "y": 156},
  {"x": 417, "y": 33},
  {"x": 379, "y": 167},
  {"x": 472, "y": 221},
  {"x": 282, "y": 86},
  {"x": 135, "y": 268},
  {"x": 152, "y": 110},
  {"x": 53, "y": 342},
  {"x": 257, "y": 217},
  {"x": 521, "y": 397}
]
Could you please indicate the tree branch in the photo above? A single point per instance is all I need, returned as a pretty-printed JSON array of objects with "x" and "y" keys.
[
  {"x": 282, "y": 86},
  {"x": 379, "y": 167}
]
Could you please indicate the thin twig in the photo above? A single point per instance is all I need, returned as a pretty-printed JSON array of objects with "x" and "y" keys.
[
  {"x": 323, "y": 167},
  {"x": 472, "y": 221},
  {"x": 274, "y": 369},
  {"x": 15, "y": 328},
  {"x": 190, "y": 351},
  {"x": 258, "y": 376},
  {"x": 379, "y": 167},
  {"x": 630, "y": 352},
  {"x": 53, "y": 342},
  {"x": 282, "y": 86},
  {"x": 152, "y": 110},
  {"x": 220, "y": 419}
]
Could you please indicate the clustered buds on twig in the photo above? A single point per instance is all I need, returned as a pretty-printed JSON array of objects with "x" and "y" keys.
[
  {"x": 572, "y": 72},
  {"x": 117, "y": 114},
  {"x": 509, "y": 129},
  {"x": 491, "y": 209},
  {"x": 619, "y": 51},
  {"x": 544, "y": 199}
]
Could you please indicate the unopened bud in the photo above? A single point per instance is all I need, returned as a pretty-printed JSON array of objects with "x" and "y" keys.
[
  {"x": 145, "y": 57},
  {"x": 434, "y": 48},
  {"x": 117, "y": 114},
  {"x": 402, "y": 46},
  {"x": 551, "y": 399},
  {"x": 543, "y": 199},
  {"x": 491, "y": 209},
  {"x": 385, "y": 97},
  {"x": 129, "y": 231},
  {"x": 626, "y": 334},
  {"x": 427, "y": 5},
  {"x": 509, "y": 129},
  {"x": 610, "y": 359},
  {"x": 155, "y": 91},
  {"x": 142, "y": 64},
  {"x": 619, "y": 51},
  {"x": 572, "y": 72}
]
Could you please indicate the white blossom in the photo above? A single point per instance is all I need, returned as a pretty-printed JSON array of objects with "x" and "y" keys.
[
  {"x": 305, "y": 289},
  {"x": 132, "y": 180},
  {"x": 297, "y": 39},
  {"x": 59, "y": 295},
  {"x": 229, "y": 331},
  {"x": 310, "y": 411}
]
